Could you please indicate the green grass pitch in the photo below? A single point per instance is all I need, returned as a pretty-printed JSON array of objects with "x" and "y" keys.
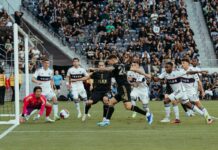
[{"x": 124, "y": 133}]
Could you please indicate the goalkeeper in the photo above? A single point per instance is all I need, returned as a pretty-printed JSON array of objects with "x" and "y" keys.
[{"x": 36, "y": 101}]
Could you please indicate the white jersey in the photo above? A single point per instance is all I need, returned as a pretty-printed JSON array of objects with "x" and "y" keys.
[
  {"x": 138, "y": 79},
  {"x": 196, "y": 82},
  {"x": 189, "y": 81},
  {"x": 174, "y": 79},
  {"x": 45, "y": 76},
  {"x": 77, "y": 73}
]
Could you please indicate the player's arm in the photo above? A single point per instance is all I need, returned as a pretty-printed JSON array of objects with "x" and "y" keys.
[
  {"x": 201, "y": 88},
  {"x": 102, "y": 69},
  {"x": 34, "y": 78},
  {"x": 86, "y": 77},
  {"x": 196, "y": 72},
  {"x": 141, "y": 72}
]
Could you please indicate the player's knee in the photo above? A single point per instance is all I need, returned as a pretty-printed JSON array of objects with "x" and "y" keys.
[
  {"x": 76, "y": 100},
  {"x": 128, "y": 106},
  {"x": 105, "y": 100},
  {"x": 54, "y": 100},
  {"x": 89, "y": 102}
]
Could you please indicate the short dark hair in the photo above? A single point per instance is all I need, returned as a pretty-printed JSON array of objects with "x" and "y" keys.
[
  {"x": 1, "y": 70},
  {"x": 75, "y": 59},
  {"x": 169, "y": 63},
  {"x": 186, "y": 60},
  {"x": 44, "y": 59},
  {"x": 112, "y": 57},
  {"x": 37, "y": 88}
]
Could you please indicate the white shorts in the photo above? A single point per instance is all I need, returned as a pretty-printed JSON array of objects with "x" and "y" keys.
[
  {"x": 140, "y": 93},
  {"x": 179, "y": 95},
  {"x": 193, "y": 97},
  {"x": 49, "y": 95},
  {"x": 79, "y": 92}
]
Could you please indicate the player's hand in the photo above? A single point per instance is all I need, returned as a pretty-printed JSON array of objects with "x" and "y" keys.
[
  {"x": 36, "y": 117},
  {"x": 203, "y": 94}
]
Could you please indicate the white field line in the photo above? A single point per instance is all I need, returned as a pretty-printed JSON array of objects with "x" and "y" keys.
[
  {"x": 116, "y": 131},
  {"x": 8, "y": 131}
]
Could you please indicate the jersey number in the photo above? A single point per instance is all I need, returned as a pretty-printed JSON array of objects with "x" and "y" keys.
[{"x": 122, "y": 70}]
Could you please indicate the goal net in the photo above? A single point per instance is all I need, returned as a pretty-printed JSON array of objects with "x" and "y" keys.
[{"x": 12, "y": 79}]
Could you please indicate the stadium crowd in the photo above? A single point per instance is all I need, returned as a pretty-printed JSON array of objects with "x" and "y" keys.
[
  {"x": 6, "y": 43},
  {"x": 210, "y": 10}
]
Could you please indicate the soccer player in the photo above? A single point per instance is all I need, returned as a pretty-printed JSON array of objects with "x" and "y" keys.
[
  {"x": 44, "y": 78},
  {"x": 119, "y": 71},
  {"x": 101, "y": 88},
  {"x": 189, "y": 81},
  {"x": 140, "y": 88},
  {"x": 75, "y": 76},
  {"x": 173, "y": 78},
  {"x": 36, "y": 101}
]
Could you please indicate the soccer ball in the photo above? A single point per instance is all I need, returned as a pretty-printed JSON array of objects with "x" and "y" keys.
[{"x": 64, "y": 114}]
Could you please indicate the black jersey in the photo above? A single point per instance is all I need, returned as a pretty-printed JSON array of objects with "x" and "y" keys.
[
  {"x": 120, "y": 73},
  {"x": 102, "y": 81}
]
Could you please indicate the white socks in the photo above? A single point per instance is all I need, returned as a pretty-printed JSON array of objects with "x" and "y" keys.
[
  {"x": 55, "y": 109},
  {"x": 133, "y": 103},
  {"x": 167, "y": 110},
  {"x": 176, "y": 111},
  {"x": 196, "y": 109},
  {"x": 78, "y": 107}
]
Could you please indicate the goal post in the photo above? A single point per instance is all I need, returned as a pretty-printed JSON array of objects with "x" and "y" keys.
[{"x": 12, "y": 117}]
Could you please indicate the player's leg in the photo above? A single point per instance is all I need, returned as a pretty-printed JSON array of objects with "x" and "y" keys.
[
  {"x": 93, "y": 100},
  {"x": 195, "y": 99},
  {"x": 144, "y": 98},
  {"x": 51, "y": 96},
  {"x": 113, "y": 101},
  {"x": 48, "y": 108},
  {"x": 174, "y": 97},
  {"x": 83, "y": 96},
  {"x": 166, "y": 108},
  {"x": 105, "y": 106},
  {"x": 134, "y": 97},
  {"x": 76, "y": 101}
]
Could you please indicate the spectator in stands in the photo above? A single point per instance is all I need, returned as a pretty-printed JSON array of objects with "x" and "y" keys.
[
  {"x": 12, "y": 83},
  {"x": 17, "y": 16},
  {"x": 2, "y": 86}
]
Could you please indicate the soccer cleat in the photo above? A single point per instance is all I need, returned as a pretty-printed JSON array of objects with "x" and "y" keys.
[
  {"x": 165, "y": 120},
  {"x": 209, "y": 120},
  {"x": 89, "y": 115},
  {"x": 150, "y": 118},
  {"x": 134, "y": 114},
  {"x": 103, "y": 123},
  {"x": 79, "y": 115},
  {"x": 176, "y": 121},
  {"x": 56, "y": 117},
  {"x": 84, "y": 117},
  {"x": 47, "y": 119}
]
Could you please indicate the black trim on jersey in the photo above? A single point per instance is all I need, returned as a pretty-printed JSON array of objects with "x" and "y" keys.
[
  {"x": 76, "y": 76},
  {"x": 43, "y": 78},
  {"x": 188, "y": 80},
  {"x": 174, "y": 81}
]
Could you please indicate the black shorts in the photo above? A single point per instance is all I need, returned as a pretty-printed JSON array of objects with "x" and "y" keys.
[
  {"x": 98, "y": 96},
  {"x": 58, "y": 87},
  {"x": 123, "y": 93}
]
